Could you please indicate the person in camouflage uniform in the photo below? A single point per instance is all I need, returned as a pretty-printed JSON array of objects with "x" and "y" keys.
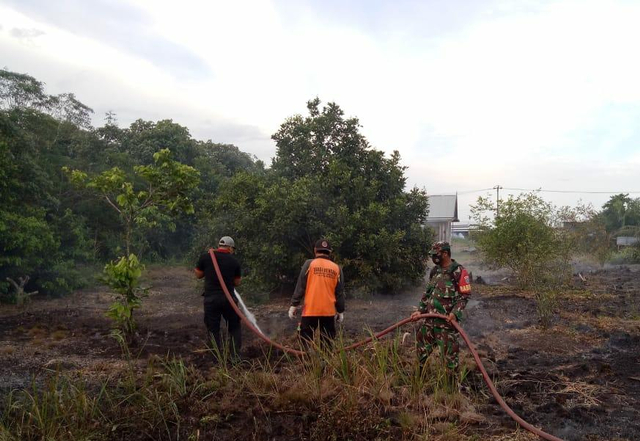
[{"x": 447, "y": 293}]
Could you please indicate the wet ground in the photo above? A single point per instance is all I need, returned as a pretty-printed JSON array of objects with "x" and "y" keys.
[{"x": 579, "y": 379}]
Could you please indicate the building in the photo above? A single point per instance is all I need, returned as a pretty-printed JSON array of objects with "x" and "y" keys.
[
  {"x": 626, "y": 241},
  {"x": 461, "y": 230},
  {"x": 443, "y": 211}
]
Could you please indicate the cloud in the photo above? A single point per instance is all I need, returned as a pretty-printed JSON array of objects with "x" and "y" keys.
[
  {"x": 522, "y": 94},
  {"x": 26, "y": 34},
  {"x": 120, "y": 25}
]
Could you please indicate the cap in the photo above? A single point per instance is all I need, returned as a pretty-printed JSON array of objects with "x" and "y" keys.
[
  {"x": 226, "y": 241},
  {"x": 440, "y": 246},
  {"x": 323, "y": 245}
]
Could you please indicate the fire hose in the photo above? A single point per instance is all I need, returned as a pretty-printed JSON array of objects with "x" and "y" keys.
[{"x": 455, "y": 324}]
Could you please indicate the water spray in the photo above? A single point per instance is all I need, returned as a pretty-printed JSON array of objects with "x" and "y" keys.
[{"x": 248, "y": 314}]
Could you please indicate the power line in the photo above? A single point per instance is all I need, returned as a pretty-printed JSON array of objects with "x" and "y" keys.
[
  {"x": 570, "y": 191},
  {"x": 474, "y": 191},
  {"x": 549, "y": 191}
]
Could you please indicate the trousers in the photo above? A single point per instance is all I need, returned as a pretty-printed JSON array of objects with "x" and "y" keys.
[
  {"x": 215, "y": 308},
  {"x": 326, "y": 325},
  {"x": 437, "y": 333}
]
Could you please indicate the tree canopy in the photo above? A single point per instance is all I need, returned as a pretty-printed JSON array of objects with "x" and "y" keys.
[
  {"x": 324, "y": 181},
  {"x": 620, "y": 212}
]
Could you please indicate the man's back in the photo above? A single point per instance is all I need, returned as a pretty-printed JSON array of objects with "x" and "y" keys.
[
  {"x": 229, "y": 267},
  {"x": 321, "y": 285},
  {"x": 322, "y": 278}
]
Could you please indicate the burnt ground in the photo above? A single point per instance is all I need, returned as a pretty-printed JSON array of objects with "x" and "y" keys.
[{"x": 578, "y": 379}]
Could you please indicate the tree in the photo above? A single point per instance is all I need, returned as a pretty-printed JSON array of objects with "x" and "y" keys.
[
  {"x": 21, "y": 91},
  {"x": 145, "y": 138},
  {"x": 326, "y": 181},
  {"x": 35, "y": 224},
  {"x": 620, "y": 216},
  {"x": 167, "y": 186},
  {"x": 527, "y": 239},
  {"x": 524, "y": 238},
  {"x": 47, "y": 227},
  {"x": 585, "y": 232},
  {"x": 621, "y": 211}
]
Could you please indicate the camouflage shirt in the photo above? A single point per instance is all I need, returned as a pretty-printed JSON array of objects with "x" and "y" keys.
[{"x": 447, "y": 292}]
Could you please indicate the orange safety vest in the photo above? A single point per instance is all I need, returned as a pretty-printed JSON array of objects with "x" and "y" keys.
[{"x": 323, "y": 276}]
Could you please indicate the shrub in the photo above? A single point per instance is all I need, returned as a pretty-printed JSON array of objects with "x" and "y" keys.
[{"x": 524, "y": 238}]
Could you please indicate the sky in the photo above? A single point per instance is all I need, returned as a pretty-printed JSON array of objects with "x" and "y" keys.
[{"x": 473, "y": 94}]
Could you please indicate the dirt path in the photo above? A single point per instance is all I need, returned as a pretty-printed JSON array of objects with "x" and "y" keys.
[{"x": 578, "y": 379}]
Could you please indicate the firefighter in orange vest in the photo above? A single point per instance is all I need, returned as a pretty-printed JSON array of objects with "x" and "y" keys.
[{"x": 321, "y": 285}]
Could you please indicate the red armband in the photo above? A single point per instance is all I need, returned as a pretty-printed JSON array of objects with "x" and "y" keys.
[{"x": 464, "y": 285}]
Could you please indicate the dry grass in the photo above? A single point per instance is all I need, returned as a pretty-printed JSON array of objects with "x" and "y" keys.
[
  {"x": 612, "y": 324},
  {"x": 573, "y": 393},
  {"x": 60, "y": 334},
  {"x": 38, "y": 332},
  {"x": 518, "y": 435},
  {"x": 582, "y": 394},
  {"x": 377, "y": 393},
  {"x": 489, "y": 291},
  {"x": 352, "y": 394},
  {"x": 7, "y": 350}
]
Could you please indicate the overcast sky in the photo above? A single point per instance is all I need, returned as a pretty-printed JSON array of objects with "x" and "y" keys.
[{"x": 525, "y": 94}]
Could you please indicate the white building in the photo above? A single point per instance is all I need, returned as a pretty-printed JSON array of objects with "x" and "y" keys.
[
  {"x": 626, "y": 241},
  {"x": 443, "y": 211}
]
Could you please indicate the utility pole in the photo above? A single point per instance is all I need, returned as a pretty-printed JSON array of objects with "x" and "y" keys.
[{"x": 497, "y": 189}]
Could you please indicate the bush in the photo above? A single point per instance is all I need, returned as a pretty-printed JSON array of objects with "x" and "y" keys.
[
  {"x": 524, "y": 238},
  {"x": 626, "y": 256},
  {"x": 123, "y": 276}
]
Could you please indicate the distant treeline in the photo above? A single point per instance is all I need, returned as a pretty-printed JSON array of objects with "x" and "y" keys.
[{"x": 325, "y": 181}]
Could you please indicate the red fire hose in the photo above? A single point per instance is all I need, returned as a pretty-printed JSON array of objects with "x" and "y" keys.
[{"x": 455, "y": 324}]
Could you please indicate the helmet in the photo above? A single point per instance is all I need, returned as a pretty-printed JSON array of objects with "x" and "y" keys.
[
  {"x": 438, "y": 247},
  {"x": 226, "y": 241}
]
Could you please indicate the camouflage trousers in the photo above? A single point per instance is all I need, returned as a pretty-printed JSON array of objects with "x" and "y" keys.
[{"x": 436, "y": 333}]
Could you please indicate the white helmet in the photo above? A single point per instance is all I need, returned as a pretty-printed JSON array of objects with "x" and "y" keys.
[{"x": 226, "y": 241}]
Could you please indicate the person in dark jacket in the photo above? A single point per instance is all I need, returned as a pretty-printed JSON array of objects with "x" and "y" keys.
[
  {"x": 320, "y": 285},
  {"x": 216, "y": 304}
]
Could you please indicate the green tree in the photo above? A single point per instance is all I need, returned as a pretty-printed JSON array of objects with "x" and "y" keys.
[
  {"x": 525, "y": 237},
  {"x": 19, "y": 91},
  {"x": 621, "y": 211},
  {"x": 326, "y": 181},
  {"x": 167, "y": 187},
  {"x": 48, "y": 228},
  {"x": 585, "y": 232},
  {"x": 145, "y": 138},
  {"x": 621, "y": 217},
  {"x": 166, "y": 191},
  {"x": 39, "y": 236}
]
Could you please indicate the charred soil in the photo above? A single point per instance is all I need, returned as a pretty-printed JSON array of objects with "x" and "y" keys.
[{"x": 578, "y": 379}]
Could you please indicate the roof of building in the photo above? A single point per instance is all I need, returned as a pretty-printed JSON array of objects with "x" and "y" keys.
[{"x": 443, "y": 207}]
